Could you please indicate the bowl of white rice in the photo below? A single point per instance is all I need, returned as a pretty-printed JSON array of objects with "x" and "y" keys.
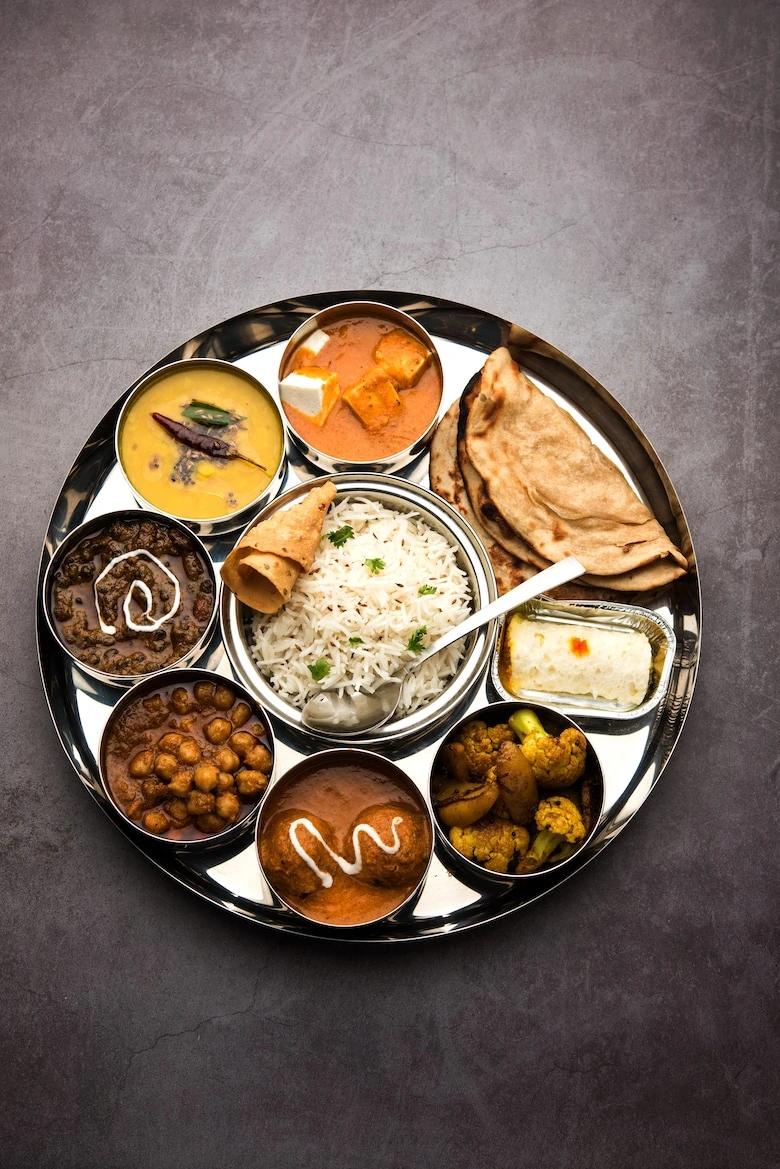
[{"x": 396, "y": 568}]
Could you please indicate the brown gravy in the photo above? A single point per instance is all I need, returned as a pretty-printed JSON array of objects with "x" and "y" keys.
[
  {"x": 335, "y": 798},
  {"x": 115, "y": 647},
  {"x": 187, "y": 760}
]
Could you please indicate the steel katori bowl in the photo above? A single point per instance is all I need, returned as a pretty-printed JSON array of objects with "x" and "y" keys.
[
  {"x": 133, "y": 658},
  {"x": 317, "y": 825},
  {"x": 328, "y": 319},
  {"x": 157, "y": 737},
  {"x": 587, "y": 794},
  {"x": 239, "y": 622},
  {"x": 144, "y": 479}
]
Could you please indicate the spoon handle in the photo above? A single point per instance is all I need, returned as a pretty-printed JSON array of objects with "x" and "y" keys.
[{"x": 548, "y": 578}]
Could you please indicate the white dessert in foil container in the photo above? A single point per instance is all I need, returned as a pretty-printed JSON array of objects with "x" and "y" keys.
[{"x": 595, "y": 658}]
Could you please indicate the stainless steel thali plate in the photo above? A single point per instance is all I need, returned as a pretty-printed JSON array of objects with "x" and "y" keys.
[{"x": 633, "y": 753}]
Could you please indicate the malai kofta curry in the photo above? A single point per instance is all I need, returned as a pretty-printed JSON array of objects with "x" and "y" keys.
[
  {"x": 345, "y": 841},
  {"x": 362, "y": 389}
]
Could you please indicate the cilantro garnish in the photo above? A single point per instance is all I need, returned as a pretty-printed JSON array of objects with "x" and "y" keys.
[
  {"x": 375, "y": 566},
  {"x": 414, "y": 644},
  {"x": 320, "y": 669},
  {"x": 339, "y": 538},
  {"x": 426, "y": 590},
  {"x": 356, "y": 641}
]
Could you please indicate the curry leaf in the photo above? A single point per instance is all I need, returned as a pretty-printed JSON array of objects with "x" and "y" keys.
[{"x": 208, "y": 415}]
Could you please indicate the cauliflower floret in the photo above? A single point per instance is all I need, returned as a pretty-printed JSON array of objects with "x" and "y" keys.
[
  {"x": 494, "y": 843},
  {"x": 474, "y": 752},
  {"x": 559, "y": 823},
  {"x": 557, "y": 760}
]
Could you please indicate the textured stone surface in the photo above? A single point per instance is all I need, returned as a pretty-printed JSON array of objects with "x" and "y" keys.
[{"x": 607, "y": 176}]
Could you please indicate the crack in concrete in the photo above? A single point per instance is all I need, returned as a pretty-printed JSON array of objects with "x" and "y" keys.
[{"x": 476, "y": 252}]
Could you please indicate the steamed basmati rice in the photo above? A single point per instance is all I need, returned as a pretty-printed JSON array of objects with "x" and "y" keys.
[{"x": 340, "y": 599}]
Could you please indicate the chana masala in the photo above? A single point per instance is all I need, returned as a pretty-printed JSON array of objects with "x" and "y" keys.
[{"x": 188, "y": 760}]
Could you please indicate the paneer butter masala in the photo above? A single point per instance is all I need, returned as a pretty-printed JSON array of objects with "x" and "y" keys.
[{"x": 364, "y": 390}]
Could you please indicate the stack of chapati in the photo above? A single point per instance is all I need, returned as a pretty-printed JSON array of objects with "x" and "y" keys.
[{"x": 536, "y": 489}]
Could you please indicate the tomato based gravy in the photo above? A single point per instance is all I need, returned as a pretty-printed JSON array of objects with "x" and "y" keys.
[
  {"x": 389, "y": 388},
  {"x": 186, "y": 760}
]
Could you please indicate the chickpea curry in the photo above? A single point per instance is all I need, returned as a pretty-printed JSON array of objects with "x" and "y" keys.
[
  {"x": 187, "y": 760},
  {"x": 361, "y": 390}
]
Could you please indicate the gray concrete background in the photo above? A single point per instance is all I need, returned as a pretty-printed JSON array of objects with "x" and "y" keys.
[{"x": 606, "y": 175}]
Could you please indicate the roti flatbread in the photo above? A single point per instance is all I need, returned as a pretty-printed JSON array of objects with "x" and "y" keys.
[
  {"x": 447, "y": 481},
  {"x": 556, "y": 489},
  {"x": 265, "y": 564}
]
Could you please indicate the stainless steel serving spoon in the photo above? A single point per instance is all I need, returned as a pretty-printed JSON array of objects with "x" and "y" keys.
[{"x": 349, "y": 713}]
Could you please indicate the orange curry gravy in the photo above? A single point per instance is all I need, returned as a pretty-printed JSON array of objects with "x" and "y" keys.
[
  {"x": 350, "y": 354},
  {"x": 334, "y": 798}
]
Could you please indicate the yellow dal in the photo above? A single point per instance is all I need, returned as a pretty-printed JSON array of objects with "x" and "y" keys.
[{"x": 149, "y": 454}]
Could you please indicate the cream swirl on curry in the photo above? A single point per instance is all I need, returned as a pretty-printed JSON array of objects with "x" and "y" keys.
[
  {"x": 151, "y": 623},
  {"x": 344, "y": 838},
  {"x": 351, "y": 868},
  {"x": 130, "y": 593}
]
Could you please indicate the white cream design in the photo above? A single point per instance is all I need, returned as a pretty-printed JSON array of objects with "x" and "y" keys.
[
  {"x": 144, "y": 590},
  {"x": 351, "y": 868}
]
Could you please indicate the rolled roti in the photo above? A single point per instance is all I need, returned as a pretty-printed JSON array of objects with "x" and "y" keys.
[
  {"x": 556, "y": 489},
  {"x": 265, "y": 564}
]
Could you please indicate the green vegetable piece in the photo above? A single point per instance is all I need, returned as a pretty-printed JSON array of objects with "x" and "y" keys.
[
  {"x": 208, "y": 415},
  {"x": 414, "y": 644},
  {"x": 526, "y": 722},
  {"x": 426, "y": 590},
  {"x": 375, "y": 566},
  {"x": 356, "y": 641},
  {"x": 320, "y": 669},
  {"x": 339, "y": 538}
]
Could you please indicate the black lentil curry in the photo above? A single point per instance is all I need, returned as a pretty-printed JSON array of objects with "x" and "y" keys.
[{"x": 133, "y": 598}]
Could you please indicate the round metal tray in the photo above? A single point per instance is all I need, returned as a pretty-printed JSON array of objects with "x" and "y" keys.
[{"x": 633, "y": 753}]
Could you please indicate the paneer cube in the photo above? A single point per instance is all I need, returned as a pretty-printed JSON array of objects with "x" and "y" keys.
[
  {"x": 402, "y": 357},
  {"x": 311, "y": 390},
  {"x": 307, "y": 353},
  {"x": 373, "y": 398}
]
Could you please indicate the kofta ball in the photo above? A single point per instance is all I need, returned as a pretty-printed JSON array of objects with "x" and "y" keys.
[
  {"x": 401, "y": 829},
  {"x": 286, "y": 869}
]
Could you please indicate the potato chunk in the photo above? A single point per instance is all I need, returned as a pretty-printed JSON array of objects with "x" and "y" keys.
[
  {"x": 402, "y": 357},
  {"x": 373, "y": 398}
]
